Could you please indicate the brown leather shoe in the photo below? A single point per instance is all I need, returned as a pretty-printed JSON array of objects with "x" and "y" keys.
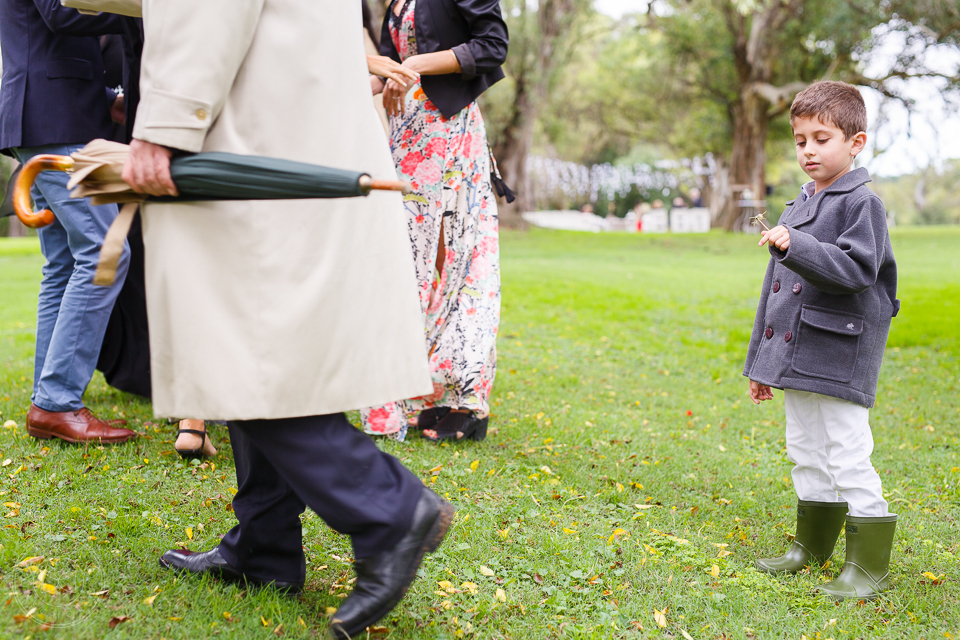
[{"x": 73, "y": 426}]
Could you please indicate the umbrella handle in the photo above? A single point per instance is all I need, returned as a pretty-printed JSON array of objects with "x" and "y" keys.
[
  {"x": 22, "y": 202},
  {"x": 368, "y": 184}
]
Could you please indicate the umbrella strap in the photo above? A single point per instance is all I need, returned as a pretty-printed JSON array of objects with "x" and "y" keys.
[{"x": 112, "y": 247}]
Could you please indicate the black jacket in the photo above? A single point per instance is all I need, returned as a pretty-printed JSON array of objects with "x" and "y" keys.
[
  {"x": 477, "y": 34},
  {"x": 53, "y": 89}
]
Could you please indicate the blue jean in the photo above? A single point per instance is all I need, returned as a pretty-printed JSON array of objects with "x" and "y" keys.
[{"x": 72, "y": 312}]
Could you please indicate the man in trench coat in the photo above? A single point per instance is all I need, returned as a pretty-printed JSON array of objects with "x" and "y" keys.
[{"x": 278, "y": 316}]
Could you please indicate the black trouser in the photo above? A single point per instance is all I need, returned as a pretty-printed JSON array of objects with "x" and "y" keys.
[{"x": 322, "y": 462}]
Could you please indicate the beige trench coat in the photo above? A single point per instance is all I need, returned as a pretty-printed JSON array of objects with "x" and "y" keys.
[{"x": 279, "y": 308}]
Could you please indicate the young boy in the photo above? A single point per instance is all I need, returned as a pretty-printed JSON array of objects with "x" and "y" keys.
[{"x": 820, "y": 332}]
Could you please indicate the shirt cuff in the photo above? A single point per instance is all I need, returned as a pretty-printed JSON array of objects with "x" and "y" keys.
[
  {"x": 468, "y": 66},
  {"x": 172, "y": 120}
]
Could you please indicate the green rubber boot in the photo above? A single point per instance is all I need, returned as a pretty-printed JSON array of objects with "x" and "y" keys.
[
  {"x": 818, "y": 527},
  {"x": 867, "y": 570}
]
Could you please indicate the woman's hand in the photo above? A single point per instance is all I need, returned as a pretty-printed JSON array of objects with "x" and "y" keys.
[
  {"x": 392, "y": 70},
  {"x": 394, "y": 98}
]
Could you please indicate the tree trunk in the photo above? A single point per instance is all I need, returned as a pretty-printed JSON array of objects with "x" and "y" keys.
[
  {"x": 511, "y": 153},
  {"x": 748, "y": 157}
]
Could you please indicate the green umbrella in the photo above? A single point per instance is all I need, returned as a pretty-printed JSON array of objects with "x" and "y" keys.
[{"x": 97, "y": 174}]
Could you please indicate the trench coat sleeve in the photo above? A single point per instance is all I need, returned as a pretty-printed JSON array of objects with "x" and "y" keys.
[
  {"x": 758, "y": 322},
  {"x": 130, "y": 8},
  {"x": 192, "y": 53},
  {"x": 853, "y": 263},
  {"x": 486, "y": 50},
  {"x": 67, "y": 22}
]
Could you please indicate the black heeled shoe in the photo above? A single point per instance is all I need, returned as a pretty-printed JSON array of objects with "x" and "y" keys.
[
  {"x": 459, "y": 426},
  {"x": 428, "y": 418},
  {"x": 193, "y": 454}
]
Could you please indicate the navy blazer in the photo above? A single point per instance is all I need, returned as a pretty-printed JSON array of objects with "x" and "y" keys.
[
  {"x": 477, "y": 34},
  {"x": 53, "y": 89}
]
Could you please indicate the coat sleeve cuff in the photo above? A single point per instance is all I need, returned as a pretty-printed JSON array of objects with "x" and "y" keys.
[
  {"x": 468, "y": 65},
  {"x": 172, "y": 120}
]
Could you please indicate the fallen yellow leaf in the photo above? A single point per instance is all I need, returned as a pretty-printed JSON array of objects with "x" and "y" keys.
[
  {"x": 9, "y": 424},
  {"x": 189, "y": 532},
  {"x": 469, "y": 586},
  {"x": 660, "y": 617},
  {"x": 6, "y": 462},
  {"x": 265, "y": 622},
  {"x": 331, "y": 610},
  {"x": 29, "y": 561},
  {"x": 501, "y": 595},
  {"x": 487, "y": 571},
  {"x": 685, "y": 635},
  {"x": 474, "y": 465},
  {"x": 227, "y": 615},
  {"x": 149, "y": 601},
  {"x": 569, "y": 531},
  {"x": 715, "y": 571},
  {"x": 48, "y": 588}
]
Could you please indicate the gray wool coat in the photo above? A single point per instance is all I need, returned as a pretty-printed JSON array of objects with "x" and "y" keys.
[{"x": 827, "y": 301}]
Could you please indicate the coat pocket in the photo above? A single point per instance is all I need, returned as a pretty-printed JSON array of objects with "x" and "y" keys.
[
  {"x": 828, "y": 343},
  {"x": 68, "y": 68}
]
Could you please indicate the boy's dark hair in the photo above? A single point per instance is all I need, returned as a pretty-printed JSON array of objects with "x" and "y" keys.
[{"x": 836, "y": 103}]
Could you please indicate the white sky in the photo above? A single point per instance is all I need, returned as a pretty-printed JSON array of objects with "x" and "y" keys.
[{"x": 910, "y": 141}]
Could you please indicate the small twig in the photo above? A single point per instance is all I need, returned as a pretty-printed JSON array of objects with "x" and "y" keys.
[{"x": 760, "y": 219}]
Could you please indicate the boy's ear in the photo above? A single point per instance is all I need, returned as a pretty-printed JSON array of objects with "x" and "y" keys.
[{"x": 859, "y": 142}]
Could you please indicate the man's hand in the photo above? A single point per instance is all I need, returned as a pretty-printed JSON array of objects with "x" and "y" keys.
[
  {"x": 117, "y": 113},
  {"x": 760, "y": 392},
  {"x": 779, "y": 237},
  {"x": 147, "y": 169}
]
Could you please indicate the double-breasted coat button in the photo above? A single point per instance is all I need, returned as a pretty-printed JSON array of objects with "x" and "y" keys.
[
  {"x": 776, "y": 286},
  {"x": 768, "y": 333},
  {"x": 797, "y": 288},
  {"x": 787, "y": 336}
]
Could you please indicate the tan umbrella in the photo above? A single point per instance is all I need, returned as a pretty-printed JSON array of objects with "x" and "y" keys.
[{"x": 97, "y": 174}]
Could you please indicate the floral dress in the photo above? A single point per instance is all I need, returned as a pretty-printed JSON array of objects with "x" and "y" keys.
[{"x": 446, "y": 161}]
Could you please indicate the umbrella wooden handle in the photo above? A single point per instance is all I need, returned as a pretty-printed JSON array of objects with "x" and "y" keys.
[
  {"x": 22, "y": 202},
  {"x": 367, "y": 184}
]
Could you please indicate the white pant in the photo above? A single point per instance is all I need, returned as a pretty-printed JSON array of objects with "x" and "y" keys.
[{"x": 829, "y": 441}]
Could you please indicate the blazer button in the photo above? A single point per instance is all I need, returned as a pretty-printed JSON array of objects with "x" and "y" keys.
[
  {"x": 787, "y": 336},
  {"x": 768, "y": 333},
  {"x": 201, "y": 114},
  {"x": 797, "y": 288},
  {"x": 776, "y": 286}
]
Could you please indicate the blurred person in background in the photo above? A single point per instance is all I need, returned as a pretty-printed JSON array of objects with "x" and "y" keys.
[{"x": 53, "y": 100}]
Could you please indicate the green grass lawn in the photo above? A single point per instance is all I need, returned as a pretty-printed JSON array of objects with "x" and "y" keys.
[{"x": 628, "y": 483}]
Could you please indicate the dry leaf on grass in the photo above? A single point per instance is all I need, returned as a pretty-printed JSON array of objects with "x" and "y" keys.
[
  {"x": 117, "y": 620},
  {"x": 660, "y": 617}
]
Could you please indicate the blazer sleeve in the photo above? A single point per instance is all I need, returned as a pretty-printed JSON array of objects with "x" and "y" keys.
[
  {"x": 131, "y": 8},
  {"x": 486, "y": 50},
  {"x": 69, "y": 22},
  {"x": 849, "y": 266},
  {"x": 192, "y": 53}
]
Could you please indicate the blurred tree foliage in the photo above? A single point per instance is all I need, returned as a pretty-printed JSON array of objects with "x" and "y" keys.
[{"x": 689, "y": 77}]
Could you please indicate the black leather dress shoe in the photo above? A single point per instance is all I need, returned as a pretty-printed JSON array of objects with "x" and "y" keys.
[
  {"x": 213, "y": 563},
  {"x": 383, "y": 579}
]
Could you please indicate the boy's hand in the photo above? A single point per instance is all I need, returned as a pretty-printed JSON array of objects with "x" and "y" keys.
[
  {"x": 779, "y": 237},
  {"x": 760, "y": 392}
]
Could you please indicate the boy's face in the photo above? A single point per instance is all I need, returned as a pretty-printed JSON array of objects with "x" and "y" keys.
[{"x": 823, "y": 152}]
